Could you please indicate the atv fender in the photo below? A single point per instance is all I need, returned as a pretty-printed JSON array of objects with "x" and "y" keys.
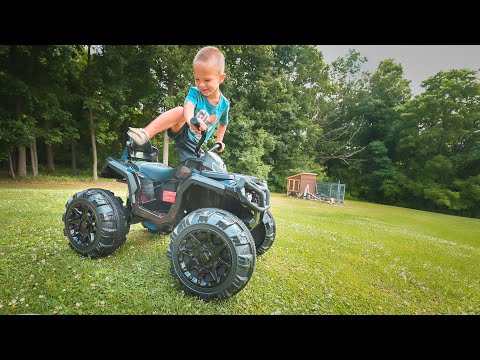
[
  {"x": 203, "y": 181},
  {"x": 119, "y": 170}
]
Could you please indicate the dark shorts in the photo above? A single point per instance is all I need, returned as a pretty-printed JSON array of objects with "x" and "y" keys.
[{"x": 185, "y": 146}]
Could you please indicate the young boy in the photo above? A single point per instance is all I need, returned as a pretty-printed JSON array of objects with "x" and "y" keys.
[{"x": 205, "y": 102}]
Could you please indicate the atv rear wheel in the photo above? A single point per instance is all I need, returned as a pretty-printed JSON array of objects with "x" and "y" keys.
[
  {"x": 264, "y": 233},
  {"x": 96, "y": 223},
  {"x": 212, "y": 253}
]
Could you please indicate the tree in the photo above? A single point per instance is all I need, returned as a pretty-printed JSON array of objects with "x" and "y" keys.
[
  {"x": 16, "y": 103},
  {"x": 437, "y": 140},
  {"x": 271, "y": 89},
  {"x": 345, "y": 116}
]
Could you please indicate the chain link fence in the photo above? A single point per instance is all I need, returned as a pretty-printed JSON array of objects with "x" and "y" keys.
[{"x": 331, "y": 192}]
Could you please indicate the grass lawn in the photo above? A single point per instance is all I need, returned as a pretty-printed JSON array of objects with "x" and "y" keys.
[{"x": 357, "y": 258}]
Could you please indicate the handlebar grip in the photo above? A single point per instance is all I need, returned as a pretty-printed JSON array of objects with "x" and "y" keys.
[
  {"x": 217, "y": 146},
  {"x": 194, "y": 121}
]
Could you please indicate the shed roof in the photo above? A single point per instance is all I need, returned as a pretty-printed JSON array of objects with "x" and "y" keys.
[{"x": 304, "y": 173}]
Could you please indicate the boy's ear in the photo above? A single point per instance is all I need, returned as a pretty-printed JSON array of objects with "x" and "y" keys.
[{"x": 222, "y": 78}]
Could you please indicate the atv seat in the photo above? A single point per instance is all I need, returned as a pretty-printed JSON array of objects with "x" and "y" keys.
[{"x": 155, "y": 171}]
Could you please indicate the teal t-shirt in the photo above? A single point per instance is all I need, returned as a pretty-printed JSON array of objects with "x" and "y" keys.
[{"x": 200, "y": 102}]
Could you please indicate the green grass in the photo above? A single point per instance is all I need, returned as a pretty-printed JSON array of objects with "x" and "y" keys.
[{"x": 357, "y": 258}]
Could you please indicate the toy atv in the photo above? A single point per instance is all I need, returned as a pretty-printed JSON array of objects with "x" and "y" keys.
[{"x": 218, "y": 221}]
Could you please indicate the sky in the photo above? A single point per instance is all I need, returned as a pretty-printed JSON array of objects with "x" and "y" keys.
[{"x": 419, "y": 62}]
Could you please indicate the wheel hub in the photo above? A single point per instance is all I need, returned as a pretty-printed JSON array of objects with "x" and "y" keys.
[
  {"x": 205, "y": 258},
  {"x": 82, "y": 224}
]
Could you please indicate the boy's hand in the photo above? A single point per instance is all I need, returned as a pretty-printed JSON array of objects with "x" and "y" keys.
[
  {"x": 201, "y": 117},
  {"x": 222, "y": 146},
  {"x": 196, "y": 125}
]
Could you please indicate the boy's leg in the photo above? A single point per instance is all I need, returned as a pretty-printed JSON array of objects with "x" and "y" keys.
[
  {"x": 171, "y": 119},
  {"x": 185, "y": 146}
]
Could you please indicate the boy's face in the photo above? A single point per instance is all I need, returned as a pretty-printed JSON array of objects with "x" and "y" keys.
[{"x": 207, "y": 79}]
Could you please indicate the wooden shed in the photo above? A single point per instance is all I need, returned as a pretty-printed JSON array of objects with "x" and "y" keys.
[{"x": 296, "y": 184}]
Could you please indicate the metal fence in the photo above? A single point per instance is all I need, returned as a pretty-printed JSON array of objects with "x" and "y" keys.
[{"x": 328, "y": 190}]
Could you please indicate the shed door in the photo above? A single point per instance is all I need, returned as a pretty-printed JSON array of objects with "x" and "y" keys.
[{"x": 293, "y": 185}]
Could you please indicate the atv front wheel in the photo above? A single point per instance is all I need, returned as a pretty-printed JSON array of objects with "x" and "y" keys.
[
  {"x": 96, "y": 223},
  {"x": 212, "y": 253},
  {"x": 264, "y": 233}
]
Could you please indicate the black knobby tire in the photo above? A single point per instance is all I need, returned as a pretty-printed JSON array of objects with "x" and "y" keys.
[
  {"x": 264, "y": 233},
  {"x": 96, "y": 223},
  {"x": 212, "y": 254}
]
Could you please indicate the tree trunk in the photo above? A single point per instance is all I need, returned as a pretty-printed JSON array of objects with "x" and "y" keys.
[
  {"x": 50, "y": 162},
  {"x": 34, "y": 156},
  {"x": 22, "y": 161},
  {"x": 92, "y": 129},
  {"x": 165, "y": 147},
  {"x": 170, "y": 88},
  {"x": 21, "y": 157},
  {"x": 74, "y": 159},
  {"x": 11, "y": 172},
  {"x": 94, "y": 147}
]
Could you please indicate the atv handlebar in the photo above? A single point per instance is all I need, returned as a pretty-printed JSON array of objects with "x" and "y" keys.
[
  {"x": 216, "y": 146},
  {"x": 194, "y": 122}
]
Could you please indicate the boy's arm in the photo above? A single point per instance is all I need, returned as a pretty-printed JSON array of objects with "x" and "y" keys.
[
  {"x": 220, "y": 133},
  {"x": 188, "y": 111}
]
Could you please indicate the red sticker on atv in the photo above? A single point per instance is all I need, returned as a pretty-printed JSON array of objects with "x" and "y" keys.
[{"x": 169, "y": 196}]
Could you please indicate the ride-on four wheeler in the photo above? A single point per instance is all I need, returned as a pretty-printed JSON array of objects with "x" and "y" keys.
[{"x": 218, "y": 221}]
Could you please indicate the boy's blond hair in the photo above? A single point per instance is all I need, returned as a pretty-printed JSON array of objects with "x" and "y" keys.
[{"x": 211, "y": 55}]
